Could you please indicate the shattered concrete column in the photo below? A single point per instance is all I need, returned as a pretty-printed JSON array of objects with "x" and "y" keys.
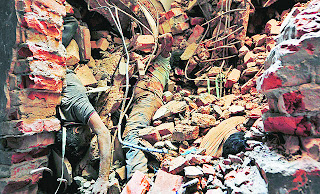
[
  {"x": 32, "y": 89},
  {"x": 291, "y": 82}
]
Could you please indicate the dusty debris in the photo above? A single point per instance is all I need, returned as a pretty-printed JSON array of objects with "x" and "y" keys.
[{"x": 207, "y": 128}]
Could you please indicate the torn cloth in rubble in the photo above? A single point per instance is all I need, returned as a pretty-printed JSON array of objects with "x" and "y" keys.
[
  {"x": 75, "y": 104},
  {"x": 148, "y": 98}
]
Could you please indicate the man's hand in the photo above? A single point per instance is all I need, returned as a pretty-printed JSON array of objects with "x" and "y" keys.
[{"x": 100, "y": 186}]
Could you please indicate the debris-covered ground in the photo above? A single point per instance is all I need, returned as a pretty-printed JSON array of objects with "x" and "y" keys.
[
  {"x": 210, "y": 129},
  {"x": 219, "y": 51}
]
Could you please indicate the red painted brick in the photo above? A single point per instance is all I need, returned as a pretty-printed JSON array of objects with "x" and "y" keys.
[
  {"x": 53, "y": 5},
  {"x": 20, "y": 170},
  {"x": 20, "y": 127},
  {"x": 43, "y": 83},
  {"x": 12, "y": 157},
  {"x": 271, "y": 82},
  {"x": 41, "y": 53},
  {"x": 33, "y": 98},
  {"x": 166, "y": 183},
  {"x": 138, "y": 184},
  {"x": 38, "y": 140},
  {"x": 22, "y": 178},
  {"x": 42, "y": 25},
  {"x": 288, "y": 125},
  {"x": 27, "y": 112},
  {"x": 45, "y": 68}
]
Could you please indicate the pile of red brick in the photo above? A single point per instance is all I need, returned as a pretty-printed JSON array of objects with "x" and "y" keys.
[
  {"x": 291, "y": 82},
  {"x": 34, "y": 85}
]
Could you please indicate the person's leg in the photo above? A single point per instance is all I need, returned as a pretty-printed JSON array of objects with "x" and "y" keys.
[
  {"x": 139, "y": 118},
  {"x": 148, "y": 99}
]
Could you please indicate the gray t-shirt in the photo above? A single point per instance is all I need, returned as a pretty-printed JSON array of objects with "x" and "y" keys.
[{"x": 75, "y": 104}]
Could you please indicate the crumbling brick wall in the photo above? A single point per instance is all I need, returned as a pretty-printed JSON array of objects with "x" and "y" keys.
[
  {"x": 31, "y": 79},
  {"x": 291, "y": 81}
]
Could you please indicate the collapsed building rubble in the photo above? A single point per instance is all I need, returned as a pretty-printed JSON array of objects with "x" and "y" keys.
[{"x": 239, "y": 113}]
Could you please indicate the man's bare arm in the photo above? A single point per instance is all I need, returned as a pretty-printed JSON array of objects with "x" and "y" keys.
[{"x": 104, "y": 142}]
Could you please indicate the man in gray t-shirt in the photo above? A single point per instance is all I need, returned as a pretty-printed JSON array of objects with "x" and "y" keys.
[{"x": 76, "y": 107}]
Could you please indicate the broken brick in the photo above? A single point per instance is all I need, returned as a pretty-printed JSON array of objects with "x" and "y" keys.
[
  {"x": 85, "y": 75},
  {"x": 150, "y": 134},
  {"x": 179, "y": 27},
  {"x": 138, "y": 184},
  {"x": 82, "y": 37},
  {"x": 272, "y": 27},
  {"x": 249, "y": 57},
  {"x": 41, "y": 25},
  {"x": 165, "y": 128},
  {"x": 101, "y": 44},
  {"x": 312, "y": 146},
  {"x": 286, "y": 125},
  {"x": 53, "y": 6},
  {"x": 43, "y": 83},
  {"x": 205, "y": 99},
  {"x": 194, "y": 159},
  {"x": 243, "y": 51},
  {"x": 203, "y": 120},
  {"x": 177, "y": 164},
  {"x": 44, "y": 68},
  {"x": 166, "y": 183},
  {"x": 192, "y": 172},
  {"x": 72, "y": 57},
  {"x": 196, "y": 21},
  {"x": 145, "y": 43},
  {"x": 208, "y": 169},
  {"x": 259, "y": 39},
  {"x": 174, "y": 13},
  {"x": 232, "y": 78},
  {"x": 196, "y": 34},
  {"x": 27, "y": 112},
  {"x": 185, "y": 132}
]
